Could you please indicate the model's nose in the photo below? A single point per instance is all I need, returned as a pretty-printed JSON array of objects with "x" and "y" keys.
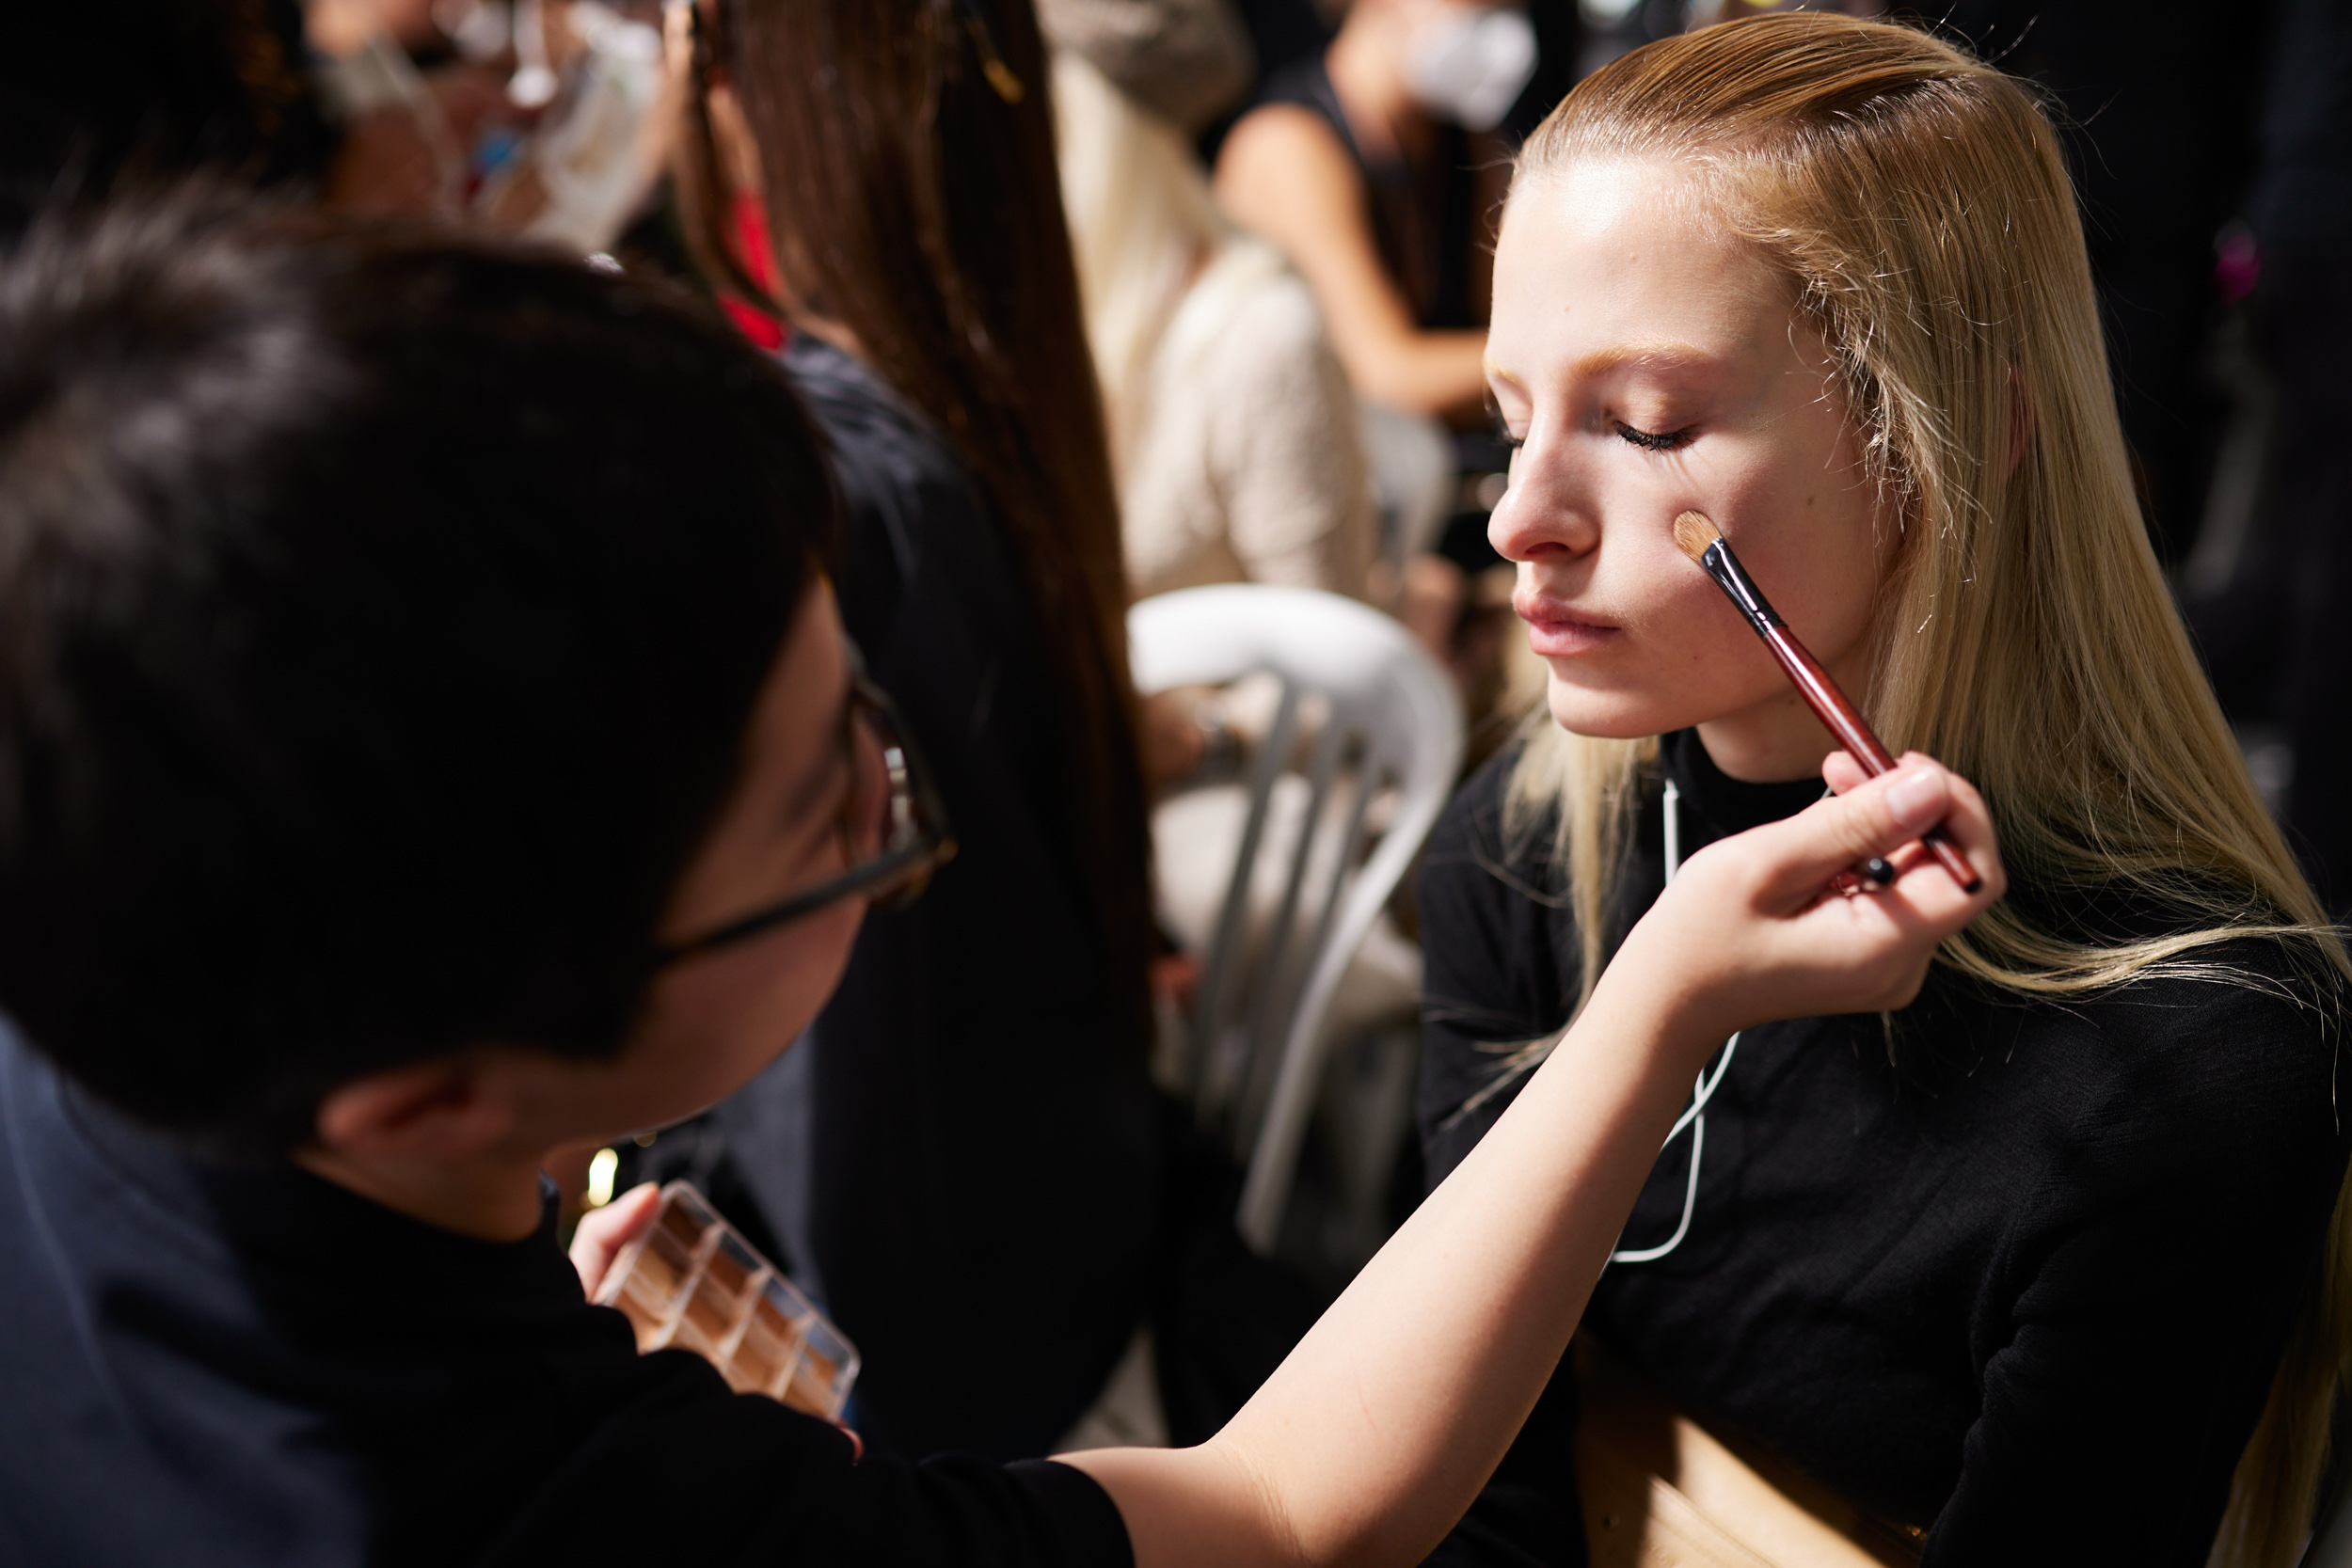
[{"x": 1548, "y": 509}]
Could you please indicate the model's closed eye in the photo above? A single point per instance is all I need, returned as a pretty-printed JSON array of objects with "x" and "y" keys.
[{"x": 1661, "y": 440}]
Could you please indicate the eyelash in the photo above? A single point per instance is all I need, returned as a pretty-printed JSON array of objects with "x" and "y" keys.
[
  {"x": 1665, "y": 440},
  {"x": 1661, "y": 440}
]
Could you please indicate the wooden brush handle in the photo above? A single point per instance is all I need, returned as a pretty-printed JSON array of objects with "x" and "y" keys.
[{"x": 1821, "y": 694}]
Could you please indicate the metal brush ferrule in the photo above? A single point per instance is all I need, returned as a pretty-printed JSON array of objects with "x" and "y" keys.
[{"x": 1725, "y": 567}]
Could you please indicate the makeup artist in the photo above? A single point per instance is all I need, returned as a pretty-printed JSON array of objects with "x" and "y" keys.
[{"x": 2031, "y": 1270}]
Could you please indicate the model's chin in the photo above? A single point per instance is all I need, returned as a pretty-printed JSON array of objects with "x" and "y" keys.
[{"x": 1605, "y": 715}]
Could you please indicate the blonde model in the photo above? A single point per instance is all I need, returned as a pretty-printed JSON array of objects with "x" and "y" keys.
[{"x": 2042, "y": 1266}]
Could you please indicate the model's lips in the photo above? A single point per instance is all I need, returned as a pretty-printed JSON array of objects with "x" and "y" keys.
[{"x": 1556, "y": 631}]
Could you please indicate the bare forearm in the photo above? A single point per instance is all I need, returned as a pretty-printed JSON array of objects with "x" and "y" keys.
[
  {"x": 1436, "y": 373},
  {"x": 1284, "y": 175},
  {"x": 1377, "y": 1431}
]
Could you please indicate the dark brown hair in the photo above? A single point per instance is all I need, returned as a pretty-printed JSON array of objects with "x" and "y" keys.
[
  {"x": 343, "y": 601},
  {"x": 906, "y": 149}
]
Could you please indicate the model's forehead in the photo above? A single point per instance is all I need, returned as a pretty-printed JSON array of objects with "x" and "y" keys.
[{"x": 1621, "y": 256}]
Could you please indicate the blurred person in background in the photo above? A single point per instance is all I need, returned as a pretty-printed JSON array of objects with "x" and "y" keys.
[
  {"x": 1185, "y": 60},
  {"x": 2273, "y": 633},
  {"x": 964, "y": 1158},
  {"x": 1364, "y": 164},
  {"x": 365, "y": 106},
  {"x": 1373, "y": 164},
  {"x": 1234, "y": 434},
  {"x": 1233, "y": 426},
  {"x": 96, "y": 102},
  {"x": 547, "y": 118}
]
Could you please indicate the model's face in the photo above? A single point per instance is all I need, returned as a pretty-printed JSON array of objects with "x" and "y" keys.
[
  {"x": 714, "y": 1018},
  {"x": 1646, "y": 363}
]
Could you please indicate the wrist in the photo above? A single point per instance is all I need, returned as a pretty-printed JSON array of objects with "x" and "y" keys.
[{"x": 1650, "y": 1000}]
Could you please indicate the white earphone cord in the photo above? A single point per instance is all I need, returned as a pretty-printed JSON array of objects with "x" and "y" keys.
[{"x": 1704, "y": 1090}]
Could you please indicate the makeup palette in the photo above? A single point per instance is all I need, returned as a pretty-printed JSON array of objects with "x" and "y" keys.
[{"x": 691, "y": 1280}]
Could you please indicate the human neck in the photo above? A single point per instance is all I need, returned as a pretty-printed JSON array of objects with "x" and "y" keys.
[
  {"x": 1380, "y": 109},
  {"x": 490, "y": 1197},
  {"x": 1759, "y": 747},
  {"x": 1780, "y": 737}
]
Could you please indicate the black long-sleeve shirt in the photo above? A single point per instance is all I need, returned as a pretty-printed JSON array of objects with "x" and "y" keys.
[
  {"x": 2018, "y": 1272},
  {"x": 205, "y": 1363}
]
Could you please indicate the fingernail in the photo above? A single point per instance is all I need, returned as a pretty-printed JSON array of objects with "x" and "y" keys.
[{"x": 1916, "y": 799}]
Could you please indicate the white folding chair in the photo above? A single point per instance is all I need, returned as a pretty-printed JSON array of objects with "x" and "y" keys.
[{"x": 1380, "y": 723}]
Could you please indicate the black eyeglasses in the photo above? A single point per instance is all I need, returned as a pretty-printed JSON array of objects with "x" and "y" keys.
[{"x": 914, "y": 840}]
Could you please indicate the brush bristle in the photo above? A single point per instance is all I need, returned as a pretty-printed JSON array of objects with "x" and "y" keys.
[{"x": 1694, "y": 533}]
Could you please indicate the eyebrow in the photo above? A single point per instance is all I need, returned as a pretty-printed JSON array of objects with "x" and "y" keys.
[{"x": 1662, "y": 353}]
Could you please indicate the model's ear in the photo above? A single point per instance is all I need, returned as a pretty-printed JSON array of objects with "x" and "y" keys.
[
  {"x": 2020, "y": 420},
  {"x": 443, "y": 1109}
]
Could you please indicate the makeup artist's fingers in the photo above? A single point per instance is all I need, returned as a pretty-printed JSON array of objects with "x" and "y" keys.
[
  {"x": 603, "y": 1232},
  {"x": 1970, "y": 826},
  {"x": 1843, "y": 774},
  {"x": 1752, "y": 931},
  {"x": 1875, "y": 818},
  {"x": 1869, "y": 953}
]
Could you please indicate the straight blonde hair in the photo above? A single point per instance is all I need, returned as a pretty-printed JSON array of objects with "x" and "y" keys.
[{"x": 1917, "y": 205}]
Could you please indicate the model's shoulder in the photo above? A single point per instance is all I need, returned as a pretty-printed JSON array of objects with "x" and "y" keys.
[
  {"x": 2246, "y": 1027},
  {"x": 1475, "y": 811},
  {"x": 1483, "y": 847},
  {"x": 2276, "y": 984}
]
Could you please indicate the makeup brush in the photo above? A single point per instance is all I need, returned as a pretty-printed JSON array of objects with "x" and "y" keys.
[{"x": 1704, "y": 543}]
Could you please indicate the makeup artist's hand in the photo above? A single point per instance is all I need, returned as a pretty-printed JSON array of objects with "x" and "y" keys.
[
  {"x": 1752, "y": 930},
  {"x": 603, "y": 1232},
  {"x": 1842, "y": 773}
]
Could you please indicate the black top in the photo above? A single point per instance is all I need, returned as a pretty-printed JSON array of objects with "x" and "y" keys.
[
  {"x": 2018, "y": 1272},
  {"x": 955, "y": 1160},
  {"x": 1424, "y": 222},
  {"x": 251, "y": 1366}
]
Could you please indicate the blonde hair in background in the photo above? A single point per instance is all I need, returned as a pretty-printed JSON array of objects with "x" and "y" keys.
[
  {"x": 1160, "y": 270},
  {"x": 1917, "y": 204}
]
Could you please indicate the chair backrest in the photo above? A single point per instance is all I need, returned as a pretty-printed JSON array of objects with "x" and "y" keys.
[{"x": 1380, "y": 723}]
